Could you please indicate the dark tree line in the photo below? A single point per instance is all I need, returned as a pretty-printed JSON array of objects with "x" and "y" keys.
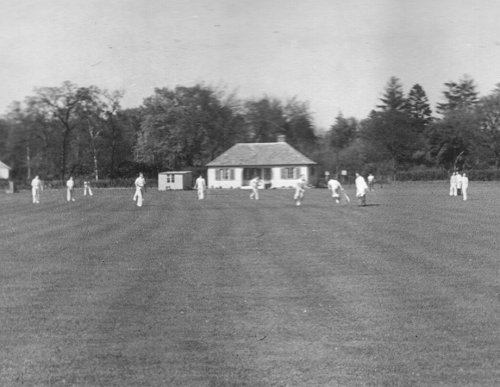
[
  {"x": 84, "y": 131},
  {"x": 402, "y": 134}
]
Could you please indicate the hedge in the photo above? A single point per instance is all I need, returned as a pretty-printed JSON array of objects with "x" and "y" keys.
[
  {"x": 439, "y": 174},
  {"x": 104, "y": 183}
]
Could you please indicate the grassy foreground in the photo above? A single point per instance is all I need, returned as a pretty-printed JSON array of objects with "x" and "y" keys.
[{"x": 233, "y": 292}]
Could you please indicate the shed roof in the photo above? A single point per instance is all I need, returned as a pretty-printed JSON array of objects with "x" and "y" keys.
[
  {"x": 2, "y": 165},
  {"x": 175, "y": 172},
  {"x": 261, "y": 153}
]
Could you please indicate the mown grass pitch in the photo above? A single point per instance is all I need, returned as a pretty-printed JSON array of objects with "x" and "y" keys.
[{"x": 233, "y": 292}]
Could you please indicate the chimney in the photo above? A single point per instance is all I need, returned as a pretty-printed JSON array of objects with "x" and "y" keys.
[{"x": 281, "y": 138}]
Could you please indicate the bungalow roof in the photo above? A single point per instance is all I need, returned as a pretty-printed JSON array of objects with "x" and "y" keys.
[
  {"x": 2, "y": 165},
  {"x": 260, "y": 154}
]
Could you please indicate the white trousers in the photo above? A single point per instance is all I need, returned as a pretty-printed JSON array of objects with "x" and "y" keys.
[
  {"x": 87, "y": 190},
  {"x": 299, "y": 194},
  {"x": 138, "y": 196},
  {"x": 35, "y": 192},
  {"x": 69, "y": 194},
  {"x": 201, "y": 194},
  {"x": 254, "y": 194}
]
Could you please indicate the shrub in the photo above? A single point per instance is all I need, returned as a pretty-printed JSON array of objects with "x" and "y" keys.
[
  {"x": 104, "y": 183},
  {"x": 440, "y": 174},
  {"x": 484, "y": 174},
  {"x": 422, "y": 175}
]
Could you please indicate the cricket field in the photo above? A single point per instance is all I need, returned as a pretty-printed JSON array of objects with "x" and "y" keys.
[{"x": 230, "y": 291}]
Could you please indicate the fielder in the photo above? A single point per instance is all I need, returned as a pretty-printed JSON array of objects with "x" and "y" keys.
[
  {"x": 300, "y": 188},
  {"x": 453, "y": 184},
  {"x": 254, "y": 185},
  {"x": 371, "y": 182},
  {"x": 361, "y": 189},
  {"x": 465, "y": 185},
  {"x": 36, "y": 187},
  {"x": 200, "y": 186},
  {"x": 140, "y": 187},
  {"x": 87, "y": 189},
  {"x": 336, "y": 188},
  {"x": 70, "y": 185}
]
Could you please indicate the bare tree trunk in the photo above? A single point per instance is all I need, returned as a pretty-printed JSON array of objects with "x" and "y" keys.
[
  {"x": 456, "y": 160},
  {"x": 28, "y": 161},
  {"x": 93, "y": 135},
  {"x": 64, "y": 155},
  {"x": 96, "y": 169}
]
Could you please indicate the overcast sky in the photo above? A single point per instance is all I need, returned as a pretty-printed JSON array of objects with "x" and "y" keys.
[{"x": 335, "y": 54}]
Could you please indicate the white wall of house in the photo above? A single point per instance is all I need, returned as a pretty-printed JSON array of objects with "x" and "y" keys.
[
  {"x": 288, "y": 179},
  {"x": 4, "y": 173},
  {"x": 228, "y": 179},
  {"x": 224, "y": 177}
]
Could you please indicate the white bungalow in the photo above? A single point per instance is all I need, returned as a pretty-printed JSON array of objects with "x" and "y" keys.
[
  {"x": 277, "y": 163},
  {"x": 4, "y": 171}
]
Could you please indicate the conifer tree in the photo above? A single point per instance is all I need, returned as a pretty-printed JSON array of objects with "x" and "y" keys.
[
  {"x": 418, "y": 107},
  {"x": 461, "y": 95},
  {"x": 393, "y": 97}
]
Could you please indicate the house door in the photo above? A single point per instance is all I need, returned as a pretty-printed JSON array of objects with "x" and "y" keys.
[
  {"x": 264, "y": 173},
  {"x": 267, "y": 177},
  {"x": 249, "y": 174}
]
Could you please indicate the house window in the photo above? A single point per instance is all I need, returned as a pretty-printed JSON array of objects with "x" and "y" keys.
[
  {"x": 224, "y": 174},
  {"x": 170, "y": 178},
  {"x": 288, "y": 173}
]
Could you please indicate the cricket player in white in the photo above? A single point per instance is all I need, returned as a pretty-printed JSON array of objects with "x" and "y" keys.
[
  {"x": 36, "y": 187},
  {"x": 336, "y": 188},
  {"x": 140, "y": 184},
  {"x": 465, "y": 185},
  {"x": 254, "y": 185},
  {"x": 200, "y": 186},
  {"x": 300, "y": 188},
  {"x": 87, "y": 189},
  {"x": 70, "y": 185},
  {"x": 371, "y": 182},
  {"x": 453, "y": 184},
  {"x": 361, "y": 189}
]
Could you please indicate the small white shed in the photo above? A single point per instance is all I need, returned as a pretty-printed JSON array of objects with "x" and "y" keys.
[
  {"x": 175, "y": 180},
  {"x": 4, "y": 171}
]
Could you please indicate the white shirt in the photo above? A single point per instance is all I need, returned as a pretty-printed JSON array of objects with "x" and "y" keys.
[
  {"x": 254, "y": 183},
  {"x": 200, "y": 183},
  {"x": 301, "y": 185},
  {"x": 35, "y": 183},
  {"x": 361, "y": 187},
  {"x": 70, "y": 183},
  {"x": 140, "y": 182},
  {"x": 334, "y": 185}
]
